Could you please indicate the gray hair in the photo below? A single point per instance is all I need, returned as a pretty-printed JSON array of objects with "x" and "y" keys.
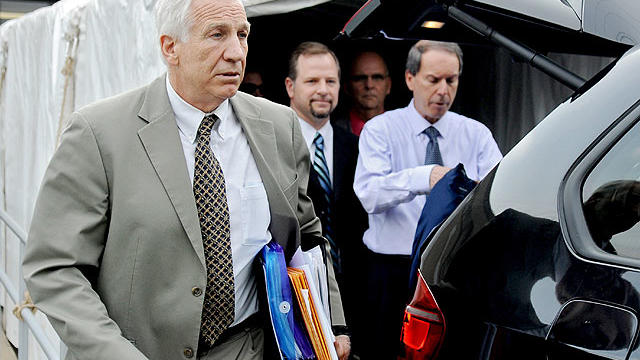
[
  {"x": 415, "y": 54},
  {"x": 173, "y": 18}
]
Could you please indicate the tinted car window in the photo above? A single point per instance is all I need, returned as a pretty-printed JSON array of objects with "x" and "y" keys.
[{"x": 611, "y": 197}]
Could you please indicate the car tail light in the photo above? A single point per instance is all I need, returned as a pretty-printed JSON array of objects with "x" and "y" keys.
[{"x": 423, "y": 327}]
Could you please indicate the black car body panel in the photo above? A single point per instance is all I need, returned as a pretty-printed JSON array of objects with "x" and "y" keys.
[{"x": 515, "y": 270}]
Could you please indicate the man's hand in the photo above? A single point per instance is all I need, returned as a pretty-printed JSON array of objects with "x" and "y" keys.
[
  {"x": 436, "y": 174},
  {"x": 343, "y": 346}
]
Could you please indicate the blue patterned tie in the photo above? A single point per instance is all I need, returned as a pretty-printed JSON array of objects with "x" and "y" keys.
[
  {"x": 322, "y": 173},
  {"x": 432, "y": 156}
]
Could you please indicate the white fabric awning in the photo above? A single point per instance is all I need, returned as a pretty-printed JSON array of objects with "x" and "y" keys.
[{"x": 270, "y": 7}]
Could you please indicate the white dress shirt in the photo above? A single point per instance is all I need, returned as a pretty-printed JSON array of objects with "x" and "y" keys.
[
  {"x": 391, "y": 174},
  {"x": 309, "y": 133},
  {"x": 249, "y": 213}
]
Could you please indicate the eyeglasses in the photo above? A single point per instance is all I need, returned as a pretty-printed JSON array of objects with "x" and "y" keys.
[{"x": 376, "y": 78}]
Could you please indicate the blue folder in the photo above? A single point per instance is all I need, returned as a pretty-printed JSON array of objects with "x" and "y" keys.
[{"x": 291, "y": 336}]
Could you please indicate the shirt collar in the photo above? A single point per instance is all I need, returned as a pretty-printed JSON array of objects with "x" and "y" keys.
[
  {"x": 419, "y": 124},
  {"x": 309, "y": 132},
  {"x": 189, "y": 118}
]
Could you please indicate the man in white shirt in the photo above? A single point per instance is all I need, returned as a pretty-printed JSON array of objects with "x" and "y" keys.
[
  {"x": 313, "y": 84},
  {"x": 403, "y": 153}
]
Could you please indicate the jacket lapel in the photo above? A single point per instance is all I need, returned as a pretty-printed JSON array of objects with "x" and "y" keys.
[
  {"x": 261, "y": 138},
  {"x": 162, "y": 143}
]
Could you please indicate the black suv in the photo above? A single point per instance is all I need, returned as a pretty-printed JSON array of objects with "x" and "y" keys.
[{"x": 542, "y": 259}]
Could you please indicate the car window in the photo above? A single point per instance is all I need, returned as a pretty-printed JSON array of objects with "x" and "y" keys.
[{"x": 611, "y": 197}]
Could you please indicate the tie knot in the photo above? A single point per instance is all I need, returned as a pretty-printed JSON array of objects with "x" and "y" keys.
[
  {"x": 318, "y": 141},
  {"x": 204, "y": 131},
  {"x": 432, "y": 133}
]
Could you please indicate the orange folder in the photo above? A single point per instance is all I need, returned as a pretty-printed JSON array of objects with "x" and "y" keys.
[{"x": 309, "y": 313}]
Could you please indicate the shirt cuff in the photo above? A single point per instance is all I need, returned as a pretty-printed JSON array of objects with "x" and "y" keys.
[{"x": 419, "y": 181}]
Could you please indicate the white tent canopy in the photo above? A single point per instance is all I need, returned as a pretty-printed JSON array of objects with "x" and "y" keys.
[{"x": 270, "y": 7}]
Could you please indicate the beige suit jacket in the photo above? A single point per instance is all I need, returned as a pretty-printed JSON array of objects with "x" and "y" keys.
[{"x": 115, "y": 250}]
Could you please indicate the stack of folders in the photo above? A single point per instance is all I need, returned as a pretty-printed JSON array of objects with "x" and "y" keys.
[{"x": 300, "y": 322}]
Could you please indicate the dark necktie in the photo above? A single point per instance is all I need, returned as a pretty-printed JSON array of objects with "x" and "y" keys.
[
  {"x": 432, "y": 155},
  {"x": 211, "y": 201},
  {"x": 321, "y": 170}
]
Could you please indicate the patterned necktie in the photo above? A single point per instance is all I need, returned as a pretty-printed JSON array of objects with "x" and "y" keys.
[
  {"x": 322, "y": 174},
  {"x": 432, "y": 155},
  {"x": 211, "y": 201}
]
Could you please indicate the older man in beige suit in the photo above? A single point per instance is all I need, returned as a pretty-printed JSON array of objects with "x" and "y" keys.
[{"x": 157, "y": 201}]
